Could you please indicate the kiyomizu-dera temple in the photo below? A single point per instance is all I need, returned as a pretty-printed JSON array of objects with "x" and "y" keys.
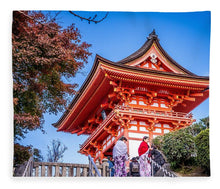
[{"x": 147, "y": 93}]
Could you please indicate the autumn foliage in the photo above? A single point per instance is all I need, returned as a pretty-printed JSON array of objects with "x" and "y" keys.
[{"x": 43, "y": 55}]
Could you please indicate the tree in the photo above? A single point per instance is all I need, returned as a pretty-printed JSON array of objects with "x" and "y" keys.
[
  {"x": 90, "y": 19},
  {"x": 202, "y": 144},
  {"x": 196, "y": 128},
  {"x": 205, "y": 122},
  {"x": 178, "y": 147},
  {"x": 21, "y": 154},
  {"x": 55, "y": 151},
  {"x": 43, "y": 55},
  {"x": 37, "y": 155}
]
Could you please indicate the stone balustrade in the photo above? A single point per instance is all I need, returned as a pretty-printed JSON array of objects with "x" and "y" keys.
[{"x": 52, "y": 169}]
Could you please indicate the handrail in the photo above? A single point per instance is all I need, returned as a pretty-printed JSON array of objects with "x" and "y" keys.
[
  {"x": 165, "y": 171},
  {"x": 28, "y": 168},
  {"x": 92, "y": 164}
]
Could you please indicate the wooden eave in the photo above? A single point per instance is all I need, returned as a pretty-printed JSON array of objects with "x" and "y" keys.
[{"x": 136, "y": 74}]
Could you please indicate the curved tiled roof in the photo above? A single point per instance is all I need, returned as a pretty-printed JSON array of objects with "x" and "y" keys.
[{"x": 140, "y": 52}]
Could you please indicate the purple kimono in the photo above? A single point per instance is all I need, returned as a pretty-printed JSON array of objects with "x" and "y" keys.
[{"x": 120, "y": 156}]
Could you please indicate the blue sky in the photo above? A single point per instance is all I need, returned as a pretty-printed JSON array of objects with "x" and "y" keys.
[{"x": 185, "y": 37}]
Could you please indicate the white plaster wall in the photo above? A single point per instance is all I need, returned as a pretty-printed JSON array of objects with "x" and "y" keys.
[
  {"x": 133, "y": 148},
  {"x": 137, "y": 135}
]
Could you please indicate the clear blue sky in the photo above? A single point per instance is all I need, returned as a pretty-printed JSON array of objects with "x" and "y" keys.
[{"x": 185, "y": 37}]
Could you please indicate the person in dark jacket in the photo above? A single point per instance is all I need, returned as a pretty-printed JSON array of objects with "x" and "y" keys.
[
  {"x": 134, "y": 167},
  {"x": 111, "y": 166},
  {"x": 157, "y": 157}
]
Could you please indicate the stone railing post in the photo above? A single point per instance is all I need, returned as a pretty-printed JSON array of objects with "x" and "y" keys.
[
  {"x": 49, "y": 171},
  {"x": 105, "y": 169},
  {"x": 77, "y": 171},
  {"x": 57, "y": 170},
  {"x": 43, "y": 170},
  {"x": 53, "y": 169},
  {"x": 85, "y": 171},
  {"x": 64, "y": 171},
  {"x": 99, "y": 167},
  {"x": 37, "y": 171},
  {"x": 70, "y": 171}
]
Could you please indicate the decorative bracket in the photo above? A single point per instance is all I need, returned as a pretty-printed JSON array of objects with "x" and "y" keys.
[
  {"x": 152, "y": 123},
  {"x": 123, "y": 120},
  {"x": 112, "y": 131},
  {"x": 150, "y": 96}
]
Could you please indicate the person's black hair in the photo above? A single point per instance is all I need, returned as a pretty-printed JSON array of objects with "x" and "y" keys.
[
  {"x": 123, "y": 138},
  {"x": 145, "y": 137}
]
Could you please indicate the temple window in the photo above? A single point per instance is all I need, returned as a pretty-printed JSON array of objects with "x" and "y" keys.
[
  {"x": 143, "y": 129},
  {"x": 113, "y": 138},
  {"x": 166, "y": 126},
  {"x": 155, "y": 104},
  {"x": 133, "y": 128},
  {"x": 133, "y": 102},
  {"x": 104, "y": 147},
  {"x": 163, "y": 106},
  {"x": 142, "y": 123},
  {"x": 119, "y": 132},
  {"x": 133, "y": 122},
  {"x": 109, "y": 142},
  {"x": 109, "y": 137},
  {"x": 157, "y": 131},
  {"x": 166, "y": 131},
  {"x": 141, "y": 103},
  {"x": 158, "y": 125},
  {"x": 122, "y": 129}
]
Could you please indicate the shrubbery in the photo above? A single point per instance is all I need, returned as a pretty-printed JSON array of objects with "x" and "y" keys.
[
  {"x": 189, "y": 146},
  {"x": 178, "y": 147},
  {"x": 202, "y": 145}
]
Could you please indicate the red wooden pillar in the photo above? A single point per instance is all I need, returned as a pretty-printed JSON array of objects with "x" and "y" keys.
[{"x": 151, "y": 135}]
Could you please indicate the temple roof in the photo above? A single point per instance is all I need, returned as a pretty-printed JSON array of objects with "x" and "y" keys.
[
  {"x": 147, "y": 45},
  {"x": 97, "y": 82}
]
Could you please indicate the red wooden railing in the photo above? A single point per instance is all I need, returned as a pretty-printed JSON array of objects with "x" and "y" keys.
[{"x": 153, "y": 112}]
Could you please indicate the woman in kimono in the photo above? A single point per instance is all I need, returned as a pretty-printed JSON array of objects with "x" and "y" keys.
[
  {"x": 120, "y": 157},
  {"x": 143, "y": 151}
]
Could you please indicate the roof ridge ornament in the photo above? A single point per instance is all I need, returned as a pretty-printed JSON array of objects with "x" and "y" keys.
[{"x": 152, "y": 35}]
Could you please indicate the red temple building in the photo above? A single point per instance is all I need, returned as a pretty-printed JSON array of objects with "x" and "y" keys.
[{"x": 145, "y": 94}]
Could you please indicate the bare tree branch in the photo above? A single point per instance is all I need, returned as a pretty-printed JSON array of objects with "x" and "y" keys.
[{"x": 90, "y": 19}]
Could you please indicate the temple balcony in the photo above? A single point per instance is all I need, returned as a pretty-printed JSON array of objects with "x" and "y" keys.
[
  {"x": 158, "y": 114},
  {"x": 122, "y": 116}
]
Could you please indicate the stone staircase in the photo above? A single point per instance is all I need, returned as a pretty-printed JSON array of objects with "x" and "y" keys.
[{"x": 54, "y": 169}]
